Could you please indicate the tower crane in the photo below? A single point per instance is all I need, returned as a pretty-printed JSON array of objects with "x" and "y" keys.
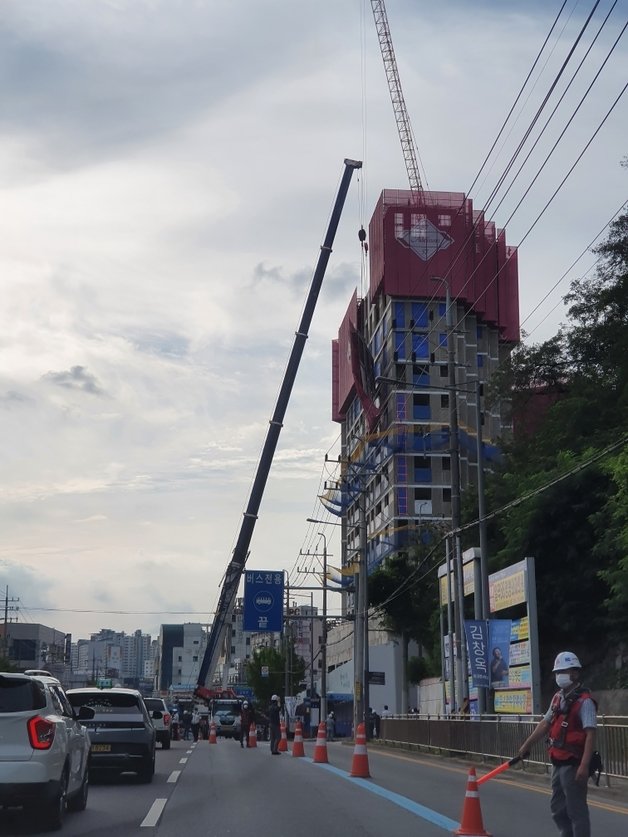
[{"x": 404, "y": 127}]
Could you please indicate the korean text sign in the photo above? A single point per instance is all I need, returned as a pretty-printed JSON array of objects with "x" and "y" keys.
[{"x": 263, "y": 600}]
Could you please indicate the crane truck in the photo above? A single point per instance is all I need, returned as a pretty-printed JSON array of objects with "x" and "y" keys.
[{"x": 235, "y": 568}]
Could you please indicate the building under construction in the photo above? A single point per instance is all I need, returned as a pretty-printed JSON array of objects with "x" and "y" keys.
[{"x": 396, "y": 353}]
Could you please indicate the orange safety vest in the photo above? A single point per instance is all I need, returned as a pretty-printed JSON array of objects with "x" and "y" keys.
[{"x": 566, "y": 735}]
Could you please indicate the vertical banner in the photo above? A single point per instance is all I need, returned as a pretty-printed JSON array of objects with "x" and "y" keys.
[
  {"x": 263, "y": 600},
  {"x": 477, "y": 646},
  {"x": 499, "y": 631}
]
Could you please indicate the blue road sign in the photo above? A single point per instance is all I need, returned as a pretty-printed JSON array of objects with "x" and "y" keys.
[{"x": 263, "y": 600}]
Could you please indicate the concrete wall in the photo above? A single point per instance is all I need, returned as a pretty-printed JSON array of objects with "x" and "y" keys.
[{"x": 611, "y": 702}]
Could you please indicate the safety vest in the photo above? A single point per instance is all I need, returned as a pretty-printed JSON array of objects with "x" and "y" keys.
[{"x": 566, "y": 735}]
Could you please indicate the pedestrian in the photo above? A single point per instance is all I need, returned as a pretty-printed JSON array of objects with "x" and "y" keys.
[
  {"x": 203, "y": 729},
  {"x": 331, "y": 726},
  {"x": 386, "y": 713},
  {"x": 196, "y": 723},
  {"x": 247, "y": 717},
  {"x": 274, "y": 721},
  {"x": 569, "y": 725},
  {"x": 187, "y": 724},
  {"x": 376, "y": 723},
  {"x": 175, "y": 725},
  {"x": 370, "y": 719}
]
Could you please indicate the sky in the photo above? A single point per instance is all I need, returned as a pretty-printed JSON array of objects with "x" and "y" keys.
[{"x": 167, "y": 170}]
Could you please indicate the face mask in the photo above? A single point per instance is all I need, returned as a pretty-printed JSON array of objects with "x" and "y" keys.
[{"x": 563, "y": 680}]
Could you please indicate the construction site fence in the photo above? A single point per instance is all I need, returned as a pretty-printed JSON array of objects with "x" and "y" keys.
[{"x": 499, "y": 737}]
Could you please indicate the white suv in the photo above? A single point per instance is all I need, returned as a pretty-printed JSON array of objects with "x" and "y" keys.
[
  {"x": 44, "y": 750},
  {"x": 161, "y": 718}
]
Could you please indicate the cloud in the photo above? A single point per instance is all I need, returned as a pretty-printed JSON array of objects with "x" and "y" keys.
[
  {"x": 77, "y": 378},
  {"x": 11, "y": 398}
]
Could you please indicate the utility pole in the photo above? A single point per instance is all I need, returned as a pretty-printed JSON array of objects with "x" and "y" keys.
[
  {"x": 312, "y": 645},
  {"x": 324, "y": 555},
  {"x": 360, "y": 656},
  {"x": 484, "y": 694},
  {"x": 10, "y": 604},
  {"x": 461, "y": 651},
  {"x": 324, "y": 634},
  {"x": 286, "y": 681}
]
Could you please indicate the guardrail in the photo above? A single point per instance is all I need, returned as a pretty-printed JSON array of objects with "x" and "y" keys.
[{"x": 500, "y": 736}]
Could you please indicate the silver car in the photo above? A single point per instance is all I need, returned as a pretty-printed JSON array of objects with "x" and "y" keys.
[{"x": 44, "y": 750}]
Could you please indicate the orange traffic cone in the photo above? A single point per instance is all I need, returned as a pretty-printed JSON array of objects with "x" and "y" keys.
[
  {"x": 360, "y": 763},
  {"x": 297, "y": 744},
  {"x": 212, "y": 733},
  {"x": 320, "y": 750},
  {"x": 253, "y": 735},
  {"x": 472, "y": 825},
  {"x": 283, "y": 741}
]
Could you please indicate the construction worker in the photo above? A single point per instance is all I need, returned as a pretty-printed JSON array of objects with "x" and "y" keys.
[
  {"x": 569, "y": 725},
  {"x": 331, "y": 726},
  {"x": 274, "y": 717},
  {"x": 247, "y": 717}
]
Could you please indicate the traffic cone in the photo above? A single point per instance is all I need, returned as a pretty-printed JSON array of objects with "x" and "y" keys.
[
  {"x": 297, "y": 744},
  {"x": 253, "y": 735},
  {"x": 283, "y": 741},
  {"x": 320, "y": 750},
  {"x": 471, "y": 824},
  {"x": 360, "y": 763},
  {"x": 212, "y": 733}
]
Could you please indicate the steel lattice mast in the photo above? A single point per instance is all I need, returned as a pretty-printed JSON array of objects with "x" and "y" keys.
[{"x": 408, "y": 144}]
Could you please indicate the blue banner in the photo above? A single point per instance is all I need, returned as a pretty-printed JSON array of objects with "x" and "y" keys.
[
  {"x": 477, "y": 647},
  {"x": 263, "y": 601},
  {"x": 499, "y": 643}
]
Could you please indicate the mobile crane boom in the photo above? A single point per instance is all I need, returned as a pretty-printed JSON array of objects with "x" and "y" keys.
[
  {"x": 237, "y": 564},
  {"x": 404, "y": 126}
]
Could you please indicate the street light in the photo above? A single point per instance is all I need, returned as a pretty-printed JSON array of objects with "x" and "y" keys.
[{"x": 322, "y": 522}]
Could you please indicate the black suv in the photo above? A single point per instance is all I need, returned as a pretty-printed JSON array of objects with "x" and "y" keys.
[{"x": 120, "y": 729}]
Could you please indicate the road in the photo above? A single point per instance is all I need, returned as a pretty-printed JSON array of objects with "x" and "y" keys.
[{"x": 206, "y": 790}]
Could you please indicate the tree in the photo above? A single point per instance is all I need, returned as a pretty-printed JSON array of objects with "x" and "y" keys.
[
  {"x": 577, "y": 529},
  {"x": 275, "y": 661},
  {"x": 404, "y": 590}
]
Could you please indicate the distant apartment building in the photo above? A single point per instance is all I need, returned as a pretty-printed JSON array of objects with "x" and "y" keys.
[
  {"x": 113, "y": 655},
  {"x": 179, "y": 656}
]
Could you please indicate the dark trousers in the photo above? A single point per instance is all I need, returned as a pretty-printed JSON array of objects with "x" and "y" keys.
[
  {"x": 568, "y": 805},
  {"x": 275, "y": 737},
  {"x": 244, "y": 735}
]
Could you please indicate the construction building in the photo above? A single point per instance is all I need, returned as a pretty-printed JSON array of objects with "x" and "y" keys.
[{"x": 391, "y": 363}]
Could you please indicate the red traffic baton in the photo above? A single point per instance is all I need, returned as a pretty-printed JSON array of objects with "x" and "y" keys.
[{"x": 501, "y": 768}]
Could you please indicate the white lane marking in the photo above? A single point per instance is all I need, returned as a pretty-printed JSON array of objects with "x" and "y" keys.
[
  {"x": 189, "y": 752},
  {"x": 174, "y": 776},
  {"x": 183, "y": 760},
  {"x": 152, "y": 818}
]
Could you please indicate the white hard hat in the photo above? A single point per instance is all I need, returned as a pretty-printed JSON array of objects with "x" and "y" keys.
[
  {"x": 275, "y": 697},
  {"x": 566, "y": 660}
]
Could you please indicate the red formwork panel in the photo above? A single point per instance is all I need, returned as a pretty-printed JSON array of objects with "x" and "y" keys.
[
  {"x": 341, "y": 361},
  {"x": 441, "y": 235}
]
